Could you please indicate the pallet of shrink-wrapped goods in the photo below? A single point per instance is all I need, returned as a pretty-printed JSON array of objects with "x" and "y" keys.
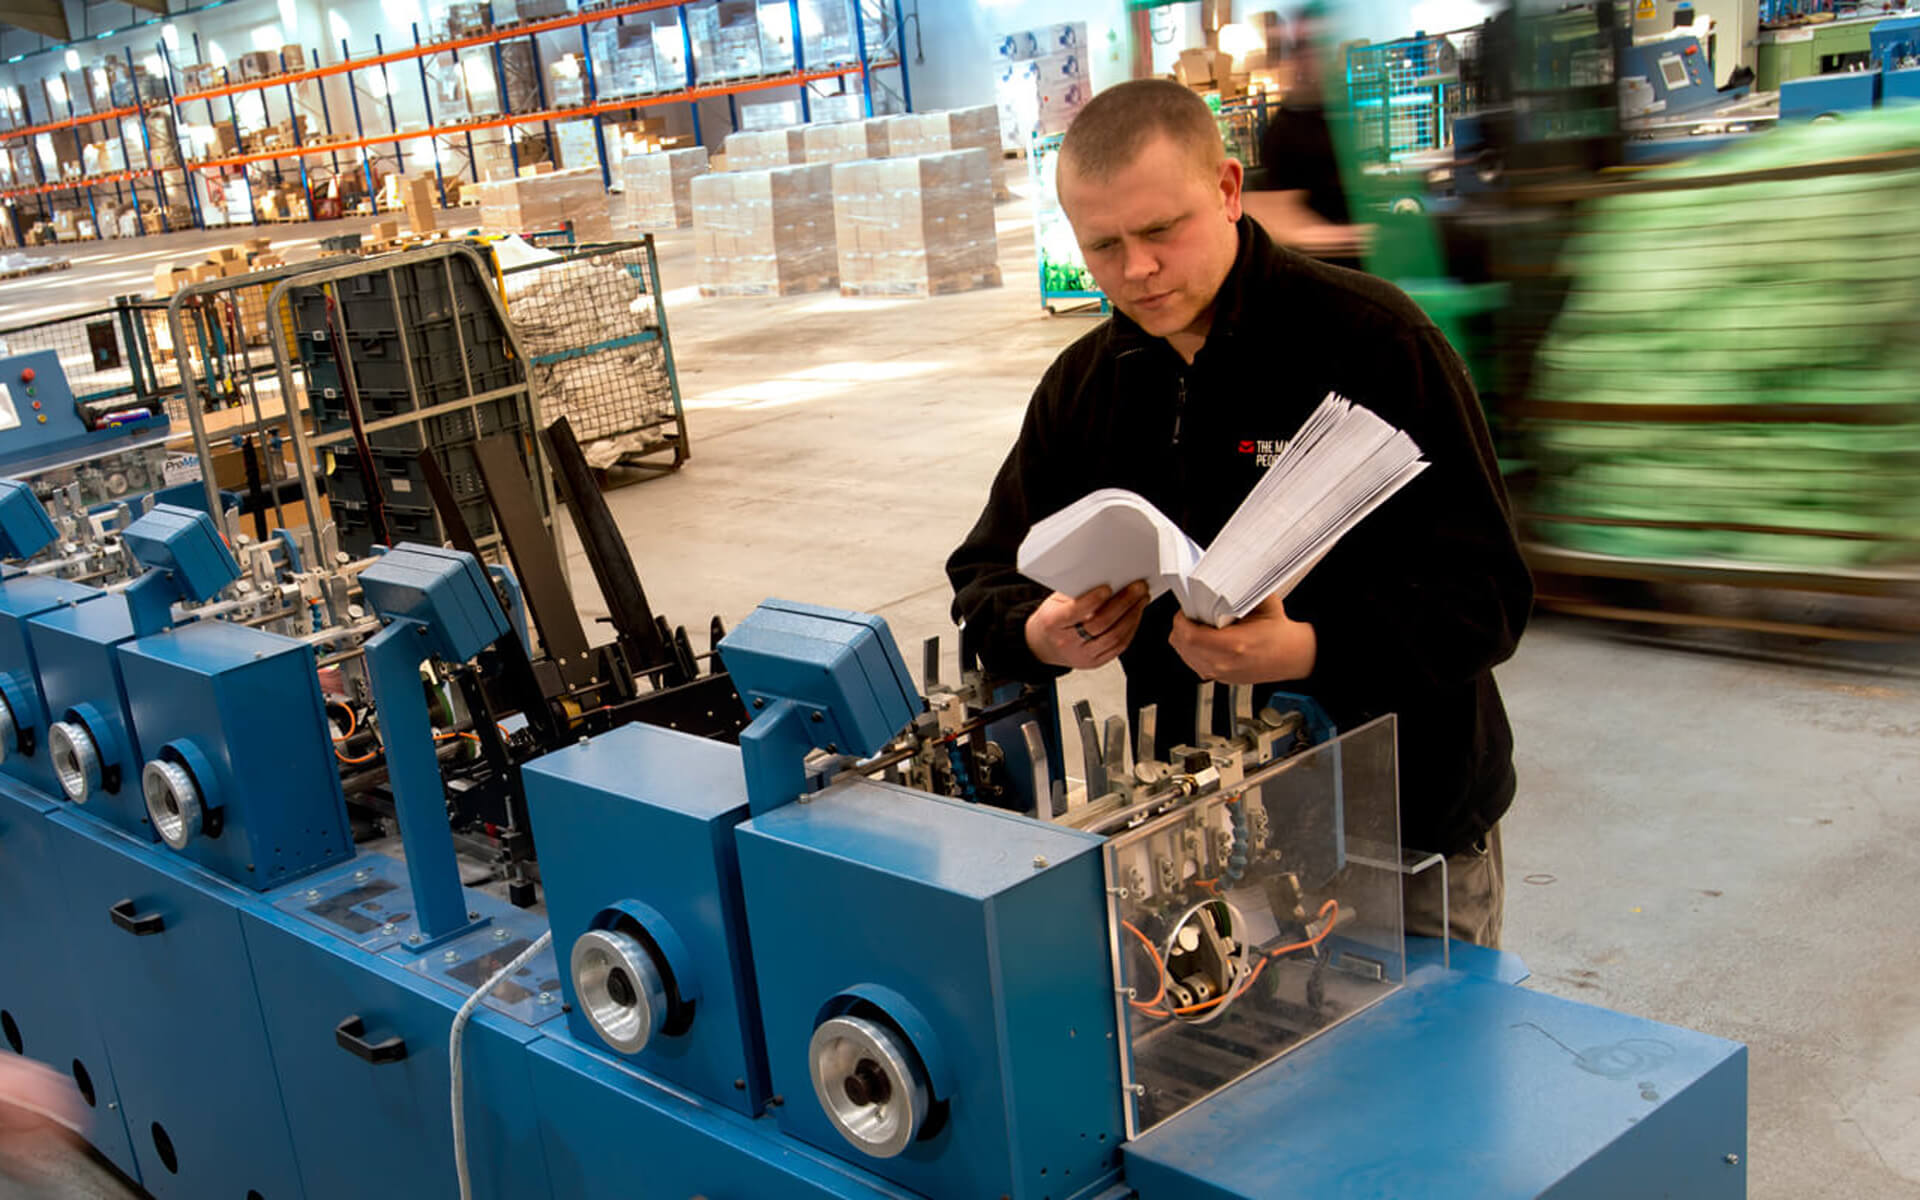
[
  {"x": 759, "y": 149},
  {"x": 765, "y": 233},
  {"x": 659, "y": 187},
  {"x": 920, "y": 226}
]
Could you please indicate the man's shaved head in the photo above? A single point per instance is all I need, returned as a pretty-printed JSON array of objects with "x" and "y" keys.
[{"x": 1117, "y": 124}]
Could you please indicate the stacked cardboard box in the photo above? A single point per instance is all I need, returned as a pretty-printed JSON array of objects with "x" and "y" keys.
[
  {"x": 547, "y": 201},
  {"x": 765, "y": 233},
  {"x": 917, "y": 226},
  {"x": 1042, "y": 80},
  {"x": 847, "y": 141},
  {"x": 659, "y": 187},
  {"x": 952, "y": 129},
  {"x": 757, "y": 150}
]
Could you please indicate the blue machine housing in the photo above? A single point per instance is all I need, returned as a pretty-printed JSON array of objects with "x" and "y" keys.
[
  {"x": 978, "y": 934},
  {"x": 241, "y": 710},
  {"x": 81, "y": 683},
  {"x": 636, "y": 827},
  {"x": 1826, "y": 95},
  {"x": 24, "y": 755},
  {"x": 360, "y": 1041},
  {"x": 25, "y": 527},
  {"x": 1557, "y": 1099},
  {"x": 43, "y": 1014},
  {"x": 166, "y": 964}
]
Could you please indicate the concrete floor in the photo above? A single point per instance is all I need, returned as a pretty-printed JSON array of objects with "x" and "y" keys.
[{"x": 1716, "y": 840}]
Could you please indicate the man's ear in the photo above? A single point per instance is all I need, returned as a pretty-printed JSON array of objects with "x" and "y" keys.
[{"x": 1232, "y": 176}]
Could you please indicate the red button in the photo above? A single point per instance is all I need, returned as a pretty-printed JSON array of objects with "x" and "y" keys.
[
  {"x": 1691, "y": 50},
  {"x": 26, "y": 376},
  {"x": 36, "y": 405}
]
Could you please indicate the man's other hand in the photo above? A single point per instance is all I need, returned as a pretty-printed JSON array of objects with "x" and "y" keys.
[
  {"x": 1089, "y": 630},
  {"x": 1265, "y": 646}
]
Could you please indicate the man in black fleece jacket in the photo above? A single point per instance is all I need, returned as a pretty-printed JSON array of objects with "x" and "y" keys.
[{"x": 1221, "y": 346}]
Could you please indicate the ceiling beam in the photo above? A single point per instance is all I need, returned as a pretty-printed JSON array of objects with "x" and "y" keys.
[{"x": 48, "y": 18}]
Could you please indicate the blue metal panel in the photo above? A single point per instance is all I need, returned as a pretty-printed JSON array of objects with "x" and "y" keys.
[
  {"x": 990, "y": 925},
  {"x": 25, "y": 527},
  {"x": 366, "y": 903},
  {"x": 443, "y": 589},
  {"x": 530, "y": 996},
  {"x": 184, "y": 542},
  {"x": 249, "y": 702},
  {"x": 611, "y": 1133},
  {"x": 80, "y": 681},
  {"x": 1461, "y": 1086},
  {"x": 46, "y": 428},
  {"x": 180, "y": 1016},
  {"x": 55, "y": 1021},
  {"x": 1820, "y": 95},
  {"x": 384, "y": 1129},
  {"x": 648, "y": 815},
  {"x": 1900, "y": 86},
  {"x": 21, "y": 598}
]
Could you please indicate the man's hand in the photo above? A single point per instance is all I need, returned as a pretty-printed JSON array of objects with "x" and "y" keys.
[
  {"x": 1086, "y": 631},
  {"x": 1265, "y": 646}
]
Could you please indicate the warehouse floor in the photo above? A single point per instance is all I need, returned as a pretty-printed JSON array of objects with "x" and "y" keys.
[{"x": 1706, "y": 837}]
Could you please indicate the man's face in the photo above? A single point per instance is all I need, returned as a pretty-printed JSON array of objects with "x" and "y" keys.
[{"x": 1158, "y": 235}]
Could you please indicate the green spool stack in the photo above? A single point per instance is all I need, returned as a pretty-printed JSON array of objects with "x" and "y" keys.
[{"x": 1723, "y": 323}]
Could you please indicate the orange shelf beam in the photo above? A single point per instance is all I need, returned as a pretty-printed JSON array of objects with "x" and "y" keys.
[
  {"x": 570, "y": 21},
  {"x": 562, "y": 114},
  {"x": 70, "y": 123},
  {"x": 74, "y": 185}
]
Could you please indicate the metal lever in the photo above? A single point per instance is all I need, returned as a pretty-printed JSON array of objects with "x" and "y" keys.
[
  {"x": 1116, "y": 752},
  {"x": 1203, "y": 715},
  {"x": 1036, "y": 745},
  {"x": 139, "y": 926},
  {"x": 1090, "y": 750},
  {"x": 930, "y": 664},
  {"x": 1146, "y": 737},
  {"x": 351, "y": 1035}
]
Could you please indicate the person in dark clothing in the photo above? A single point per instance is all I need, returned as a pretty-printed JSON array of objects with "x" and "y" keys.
[
  {"x": 1222, "y": 344},
  {"x": 1302, "y": 201}
]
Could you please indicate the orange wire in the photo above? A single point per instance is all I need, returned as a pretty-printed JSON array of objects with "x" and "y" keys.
[
  {"x": 375, "y": 753},
  {"x": 1265, "y": 958},
  {"x": 353, "y": 722},
  {"x": 1159, "y": 967}
]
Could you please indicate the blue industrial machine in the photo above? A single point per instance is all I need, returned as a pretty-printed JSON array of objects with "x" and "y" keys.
[
  {"x": 774, "y": 972},
  {"x": 1890, "y": 75},
  {"x": 1678, "y": 76},
  {"x": 25, "y": 530},
  {"x": 91, "y": 736}
]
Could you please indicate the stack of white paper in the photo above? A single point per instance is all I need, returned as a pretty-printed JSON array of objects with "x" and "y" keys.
[{"x": 1343, "y": 464}]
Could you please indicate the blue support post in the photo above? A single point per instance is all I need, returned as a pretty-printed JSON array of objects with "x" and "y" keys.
[
  {"x": 540, "y": 98},
  {"x": 146, "y": 144},
  {"x": 686, "y": 40},
  {"x": 800, "y": 63},
  {"x": 293, "y": 119},
  {"x": 900, "y": 35},
  {"x": 593, "y": 97},
  {"x": 393, "y": 123},
  {"x": 393, "y": 659},
  {"x": 326, "y": 115},
  {"x": 359, "y": 129},
  {"x": 426, "y": 99},
  {"x": 860, "y": 48}
]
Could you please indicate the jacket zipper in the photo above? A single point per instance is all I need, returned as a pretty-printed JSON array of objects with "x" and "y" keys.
[{"x": 1179, "y": 407}]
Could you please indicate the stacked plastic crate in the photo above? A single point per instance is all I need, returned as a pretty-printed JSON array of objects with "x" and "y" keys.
[
  {"x": 418, "y": 341},
  {"x": 918, "y": 226}
]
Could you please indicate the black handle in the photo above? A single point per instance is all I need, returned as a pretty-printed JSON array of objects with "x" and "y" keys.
[
  {"x": 351, "y": 1034},
  {"x": 123, "y": 916}
]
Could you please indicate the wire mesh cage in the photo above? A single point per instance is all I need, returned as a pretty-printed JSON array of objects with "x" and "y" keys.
[
  {"x": 1720, "y": 386},
  {"x": 1404, "y": 94},
  {"x": 595, "y": 329}
]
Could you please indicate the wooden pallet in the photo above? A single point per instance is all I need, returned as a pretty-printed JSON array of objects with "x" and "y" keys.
[{"x": 42, "y": 268}]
